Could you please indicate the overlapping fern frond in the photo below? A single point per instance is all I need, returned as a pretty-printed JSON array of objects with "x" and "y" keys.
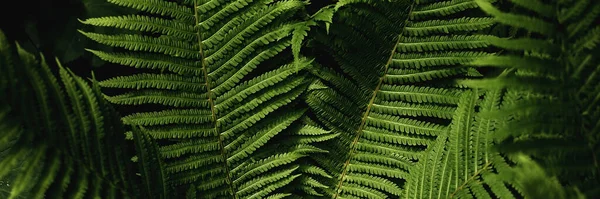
[
  {"x": 63, "y": 140},
  {"x": 224, "y": 89},
  {"x": 552, "y": 70},
  {"x": 392, "y": 110},
  {"x": 461, "y": 163}
]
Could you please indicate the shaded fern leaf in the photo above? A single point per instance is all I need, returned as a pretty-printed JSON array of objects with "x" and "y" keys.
[
  {"x": 150, "y": 165},
  {"x": 553, "y": 76},
  {"x": 223, "y": 89},
  {"x": 60, "y": 140},
  {"x": 462, "y": 163},
  {"x": 388, "y": 93},
  {"x": 532, "y": 176}
]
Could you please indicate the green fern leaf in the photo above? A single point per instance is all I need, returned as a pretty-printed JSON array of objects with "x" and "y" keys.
[
  {"x": 551, "y": 104},
  {"x": 385, "y": 103},
  {"x": 223, "y": 88},
  {"x": 55, "y": 137},
  {"x": 461, "y": 162}
]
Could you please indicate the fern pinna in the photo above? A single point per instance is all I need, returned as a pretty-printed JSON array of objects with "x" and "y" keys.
[
  {"x": 552, "y": 83},
  {"x": 64, "y": 140},
  {"x": 407, "y": 130},
  {"x": 222, "y": 74}
]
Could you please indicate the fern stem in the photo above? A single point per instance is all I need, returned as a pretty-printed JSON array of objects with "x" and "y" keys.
[
  {"x": 211, "y": 101},
  {"x": 464, "y": 184},
  {"x": 368, "y": 110}
]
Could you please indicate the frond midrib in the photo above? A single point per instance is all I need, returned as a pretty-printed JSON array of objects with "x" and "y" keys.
[
  {"x": 211, "y": 101},
  {"x": 473, "y": 177},
  {"x": 368, "y": 109}
]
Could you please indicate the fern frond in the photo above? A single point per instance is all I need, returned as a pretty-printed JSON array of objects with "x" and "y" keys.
[
  {"x": 384, "y": 102},
  {"x": 555, "y": 98},
  {"x": 461, "y": 157},
  {"x": 532, "y": 24},
  {"x": 224, "y": 86},
  {"x": 56, "y": 141},
  {"x": 151, "y": 166}
]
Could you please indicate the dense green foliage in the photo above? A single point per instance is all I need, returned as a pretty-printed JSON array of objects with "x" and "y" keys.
[
  {"x": 299, "y": 99},
  {"x": 552, "y": 87},
  {"x": 64, "y": 137}
]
